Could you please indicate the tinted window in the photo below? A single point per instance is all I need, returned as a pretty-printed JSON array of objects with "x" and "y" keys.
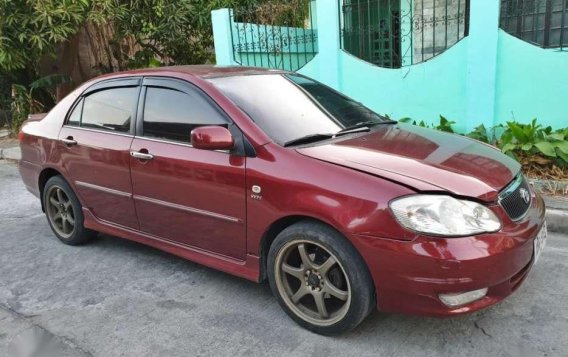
[
  {"x": 288, "y": 107},
  {"x": 75, "y": 117},
  {"x": 110, "y": 109},
  {"x": 170, "y": 114}
]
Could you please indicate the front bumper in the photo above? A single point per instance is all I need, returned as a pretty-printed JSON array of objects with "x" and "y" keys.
[{"x": 409, "y": 275}]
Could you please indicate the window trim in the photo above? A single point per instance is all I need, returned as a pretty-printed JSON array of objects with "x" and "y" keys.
[
  {"x": 112, "y": 83},
  {"x": 77, "y": 102},
  {"x": 129, "y": 135}
]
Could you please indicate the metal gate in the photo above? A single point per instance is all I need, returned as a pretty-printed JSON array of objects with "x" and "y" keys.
[{"x": 276, "y": 34}]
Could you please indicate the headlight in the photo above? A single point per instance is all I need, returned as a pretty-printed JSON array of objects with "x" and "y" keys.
[{"x": 444, "y": 215}]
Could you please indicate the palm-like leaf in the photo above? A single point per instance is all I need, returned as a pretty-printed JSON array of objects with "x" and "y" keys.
[{"x": 53, "y": 80}]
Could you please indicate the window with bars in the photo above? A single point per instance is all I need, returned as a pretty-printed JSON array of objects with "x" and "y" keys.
[
  {"x": 398, "y": 33},
  {"x": 541, "y": 22}
]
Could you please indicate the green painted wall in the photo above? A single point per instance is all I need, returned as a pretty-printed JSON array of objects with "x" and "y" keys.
[
  {"x": 531, "y": 83},
  {"x": 421, "y": 91}
]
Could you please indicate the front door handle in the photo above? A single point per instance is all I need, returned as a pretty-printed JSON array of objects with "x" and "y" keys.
[
  {"x": 141, "y": 155},
  {"x": 69, "y": 141}
]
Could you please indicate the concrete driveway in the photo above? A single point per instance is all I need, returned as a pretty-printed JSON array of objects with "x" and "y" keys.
[{"x": 118, "y": 298}]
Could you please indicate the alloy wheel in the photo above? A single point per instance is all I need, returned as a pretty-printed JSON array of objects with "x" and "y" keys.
[
  {"x": 312, "y": 282},
  {"x": 60, "y": 211}
]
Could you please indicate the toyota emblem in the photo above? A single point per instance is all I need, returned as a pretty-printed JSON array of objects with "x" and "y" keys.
[{"x": 525, "y": 195}]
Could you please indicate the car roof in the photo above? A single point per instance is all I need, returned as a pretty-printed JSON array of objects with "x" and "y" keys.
[{"x": 203, "y": 71}]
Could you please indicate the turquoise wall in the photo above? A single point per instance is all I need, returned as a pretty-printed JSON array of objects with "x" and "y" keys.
[
  {"x": 487, "y": 78},
  {"x": 531, "y": 83},
  {"x": 420, "y": 91}
]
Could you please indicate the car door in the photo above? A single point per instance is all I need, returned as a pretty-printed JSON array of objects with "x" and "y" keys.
[
  {"x": 96, "y": 139},
  {"x": 182, "y": 194}
]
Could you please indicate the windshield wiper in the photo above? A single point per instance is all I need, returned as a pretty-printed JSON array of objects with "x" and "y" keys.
[
  {"x": 363, "y": 126},
  {"x": 308, "y": 139}
]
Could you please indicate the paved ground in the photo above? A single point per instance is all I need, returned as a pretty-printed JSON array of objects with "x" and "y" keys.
[{"x": 118, "y": 298}]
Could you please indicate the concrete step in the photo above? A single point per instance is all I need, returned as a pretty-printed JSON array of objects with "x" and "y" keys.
[{"x": 11, "y": 153}]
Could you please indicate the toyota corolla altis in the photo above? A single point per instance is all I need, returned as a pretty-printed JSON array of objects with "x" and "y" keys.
[{"x": 268, "y": 174}]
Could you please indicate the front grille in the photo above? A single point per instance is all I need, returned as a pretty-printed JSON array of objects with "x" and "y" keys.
[{"x": 516, "y": 198}]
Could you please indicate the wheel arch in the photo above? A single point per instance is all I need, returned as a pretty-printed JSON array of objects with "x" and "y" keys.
[
  {"x": 278, "y": 226},
  {"x": 45, "y": 175}
]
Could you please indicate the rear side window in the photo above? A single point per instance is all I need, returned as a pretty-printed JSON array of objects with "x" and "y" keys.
[
  {"x": 108, "y": 109},
  {"x": 75, "y": 117},
  {"x": 172, "y": 115}
]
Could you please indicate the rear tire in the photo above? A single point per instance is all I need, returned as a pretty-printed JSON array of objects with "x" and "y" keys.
[
  {"x": 319, "y": 278},
  {"x": 64, "y": 212}
]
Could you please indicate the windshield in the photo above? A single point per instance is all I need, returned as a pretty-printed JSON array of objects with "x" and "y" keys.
[{"x": 288, "y": 107}]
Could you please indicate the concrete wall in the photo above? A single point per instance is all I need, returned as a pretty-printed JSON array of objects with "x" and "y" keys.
[
  {"x": 420, "y": 91},
  {"x": 531, "y": 83}
]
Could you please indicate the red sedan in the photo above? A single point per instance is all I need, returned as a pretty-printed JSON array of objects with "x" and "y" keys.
[{"x": 268, "y": 174}]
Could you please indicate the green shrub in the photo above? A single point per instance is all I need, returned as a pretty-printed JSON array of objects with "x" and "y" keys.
[
  {"x": 533, "y": 138},
  {"x": 444, "y": 124}
]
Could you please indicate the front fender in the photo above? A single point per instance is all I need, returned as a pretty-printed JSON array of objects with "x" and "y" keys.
[{"x": 289, "y": 184}]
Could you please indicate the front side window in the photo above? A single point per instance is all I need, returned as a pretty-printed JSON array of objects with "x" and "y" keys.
[
  {"x": 288, "y": 107},
  {"x": 108, "y": 109},
  {"x": 172, "y": 115}
]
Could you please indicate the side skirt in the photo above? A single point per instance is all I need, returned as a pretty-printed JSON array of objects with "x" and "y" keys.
[{"x": 248, "y": 269}]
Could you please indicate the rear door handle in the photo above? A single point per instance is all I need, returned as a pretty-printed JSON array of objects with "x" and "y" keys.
[
  {"x": 141, "y": 155},
  {"x": 69, "y": 141}
]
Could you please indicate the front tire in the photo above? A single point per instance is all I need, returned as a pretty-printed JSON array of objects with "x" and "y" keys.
[
  {"x": 319, "y": 279},
  {"x": 64, "y": 212}
]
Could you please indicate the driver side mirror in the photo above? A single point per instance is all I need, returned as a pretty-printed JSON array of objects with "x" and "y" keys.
[{"x": 212, "y": 138}]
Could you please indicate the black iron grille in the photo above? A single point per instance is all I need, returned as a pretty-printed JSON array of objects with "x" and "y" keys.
[{"x": 512, "y": 200}]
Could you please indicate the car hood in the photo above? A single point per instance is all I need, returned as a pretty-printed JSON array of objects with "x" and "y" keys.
[{"x": 425, "y": 159}]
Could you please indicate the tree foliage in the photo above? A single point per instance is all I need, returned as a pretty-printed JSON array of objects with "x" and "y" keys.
[
  {"x": 29, "y": 29},
  {"x": 174, "y": 31},
  {"x": 153, "y": 32}
]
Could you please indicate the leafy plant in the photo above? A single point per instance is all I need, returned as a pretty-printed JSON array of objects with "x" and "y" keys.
[
  {"x": 30, "y": 29},
  {"x": 481, "y": 133},
  {"x": 169, "y": 32},
  {"x": 523, "y": 140},
  {"x": 421, "y": 123},
  {"x": 444, "y": 124},
  {"x": 292, "y": 13},
  {"x": 24, "y": 100}
]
